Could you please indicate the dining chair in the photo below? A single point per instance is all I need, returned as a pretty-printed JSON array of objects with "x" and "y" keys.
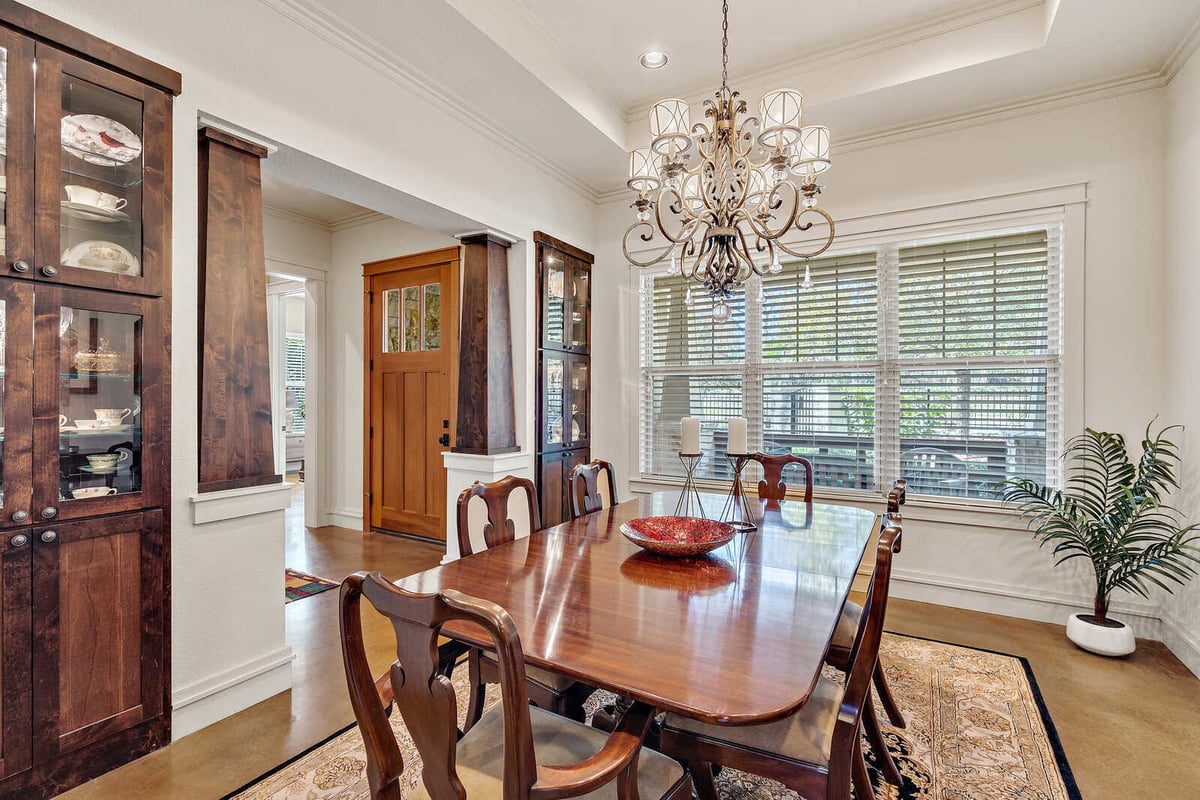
[
  {"x": 515, "y": 751},
  {"x": 490, "y": 514},
  {"x": 593, "y": 487},
  {"x": 842, "y": 643},
  {"x": 817, "y": 751},
  {"x": 772, "y": 488}
]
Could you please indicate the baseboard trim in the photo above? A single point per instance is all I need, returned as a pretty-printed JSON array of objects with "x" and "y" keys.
[
  {"x": 1024, "y": 602},
  {"x": 1182, "y": 642},
  {"x": 204, "y": 702},
  {"x": 346, "y": 518}
]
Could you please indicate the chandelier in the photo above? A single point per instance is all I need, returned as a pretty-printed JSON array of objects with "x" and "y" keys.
[{"x": 723, "y": 193}]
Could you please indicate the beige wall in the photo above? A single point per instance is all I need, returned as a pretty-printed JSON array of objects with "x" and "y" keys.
[
  {"x": 1182, "y": 612},
  {"x": 1117, "y": 147}
]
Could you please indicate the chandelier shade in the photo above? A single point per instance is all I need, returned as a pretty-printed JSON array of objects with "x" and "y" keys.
[{"x": 717, "y": 200}]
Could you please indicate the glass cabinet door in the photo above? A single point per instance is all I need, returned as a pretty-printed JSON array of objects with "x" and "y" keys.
[
  {"x": 581, "y": 305},
  {"x": 16, "y": 404},
  {"x": 554, "y": 392},
  {"x": 554, "y": 299},
  {"x": 100, "y": 167},
  {"x": 580, "y": 389}
]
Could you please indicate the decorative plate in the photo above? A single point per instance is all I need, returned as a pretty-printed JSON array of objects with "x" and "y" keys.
[
  {"x": 93, "y": 213},
  {"x": 107, "y": 256},
  {"x": 99, "y": 140},
  {"x": 677, "y": 536}
]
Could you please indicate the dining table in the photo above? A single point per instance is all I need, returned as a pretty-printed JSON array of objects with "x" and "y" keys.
[{"x": 737, "y": 636}]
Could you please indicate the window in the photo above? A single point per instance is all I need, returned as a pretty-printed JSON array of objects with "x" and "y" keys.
[
  {"x": 938, "y": 360},
  {"x": 294, "y": 377}
]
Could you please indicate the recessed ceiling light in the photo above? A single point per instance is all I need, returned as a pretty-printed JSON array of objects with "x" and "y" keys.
[{"x": 653, "y": 59}]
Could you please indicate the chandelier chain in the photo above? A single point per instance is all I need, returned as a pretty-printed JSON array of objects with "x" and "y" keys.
[{"x": 725, "y": 44}]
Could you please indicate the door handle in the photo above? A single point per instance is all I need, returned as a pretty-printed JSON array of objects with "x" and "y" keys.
[{"x": 444, "y": 440}]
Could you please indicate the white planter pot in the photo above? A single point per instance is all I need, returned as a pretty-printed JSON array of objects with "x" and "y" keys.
[{"x": 1099, "y": 639}]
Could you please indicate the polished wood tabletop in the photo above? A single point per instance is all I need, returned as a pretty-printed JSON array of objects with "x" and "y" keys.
[{"x": 736, "y": 637}]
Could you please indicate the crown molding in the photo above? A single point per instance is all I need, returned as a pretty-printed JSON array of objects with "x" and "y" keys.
[
  {"x": 357, "y": 220},
  {"x": 292, "y": 216},
  {"x": 374, "y": 55},
  {"x": 858, "y": 47},
  {"x": 1184, "y": 50}
]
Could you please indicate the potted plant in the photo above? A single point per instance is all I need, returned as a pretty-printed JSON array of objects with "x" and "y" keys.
[{"x": 1113, "y": 513}]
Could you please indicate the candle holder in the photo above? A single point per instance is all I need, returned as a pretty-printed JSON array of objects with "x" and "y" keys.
[
  {"x": 736, "y": 510},
  {"x": 689, "y": 504}
]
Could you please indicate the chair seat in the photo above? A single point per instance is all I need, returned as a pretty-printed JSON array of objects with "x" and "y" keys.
[
  {"x": 544, "y": 677},
  {"x": 806, "y": 735},
  {"x": 556, "y": 740},
  {"x": 847, "y": 626}
]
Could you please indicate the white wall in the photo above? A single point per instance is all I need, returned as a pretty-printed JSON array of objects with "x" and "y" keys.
[
  {"x": 249, "y": 64},
  {"x": 1182, "y": 612},
  {"x": 1117, "y": 147},
  {"x": 353, "y": 247}
]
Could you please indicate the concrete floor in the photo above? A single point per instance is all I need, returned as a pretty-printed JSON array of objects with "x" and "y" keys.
[{"x": 1128, "y": 726}]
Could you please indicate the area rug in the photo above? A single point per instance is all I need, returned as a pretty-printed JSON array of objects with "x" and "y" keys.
[
  {"x": 977, "y": 730},
  {"x": 298, "y": 585}
]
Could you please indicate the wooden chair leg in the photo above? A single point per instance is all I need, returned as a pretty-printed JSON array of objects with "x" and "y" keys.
[
  {"x": 475, "y": 692},
  {"x": 858, "y": 773},
  {"x": 878, "y": 746},
  {"x": 895, "y": 716},
  {"x": 702, "y": 780}
]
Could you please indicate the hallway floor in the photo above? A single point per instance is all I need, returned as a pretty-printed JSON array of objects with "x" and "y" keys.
[{"x": 1127, "y": 725}]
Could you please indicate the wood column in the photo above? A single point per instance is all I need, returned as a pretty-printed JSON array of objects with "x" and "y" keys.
[
  {"x": 237, "y": 448},
  {"x": 486, "y": 421}
]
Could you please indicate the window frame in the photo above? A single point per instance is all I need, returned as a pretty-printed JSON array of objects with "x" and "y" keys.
[{"x": 1061, "y": 205}]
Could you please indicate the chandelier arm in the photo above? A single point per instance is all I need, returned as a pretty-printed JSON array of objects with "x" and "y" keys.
[
  {"x": 764, "y": 230},
  {"x": 743, "y": 253},
  {"x": 823, "y": 247},
  {"x": 704, "y": 251},
  {"x": 645, "y": 238},
  {"x": 679, "y": 208}
]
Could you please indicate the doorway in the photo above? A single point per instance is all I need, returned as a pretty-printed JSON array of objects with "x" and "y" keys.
[{"x": 411, "y": 310}]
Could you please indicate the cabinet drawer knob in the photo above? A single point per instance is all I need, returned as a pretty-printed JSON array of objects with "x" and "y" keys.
[
  {"x": 20, "y": 540},
  {"x": 20, "y": 266},
  {"x": 49, "y": 271},
  {"x": 19, "y": 516},
  {"x": 49, "y": 536},
  {"x": 49, "y": 512}
]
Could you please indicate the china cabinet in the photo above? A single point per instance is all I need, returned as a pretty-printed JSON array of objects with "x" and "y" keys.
[
  {"x": 84, "y": 355},
  {"x": 564, "y": 371}
]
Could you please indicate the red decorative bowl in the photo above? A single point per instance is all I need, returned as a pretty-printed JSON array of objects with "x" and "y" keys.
[{"x": 677, "y": 536}]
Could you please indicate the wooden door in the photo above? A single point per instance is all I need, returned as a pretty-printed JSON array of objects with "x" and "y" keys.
[
  {"x": 15, "y": 663},
  {"x": 99, "y": 622},
  {"x": 411, "y": 318}
]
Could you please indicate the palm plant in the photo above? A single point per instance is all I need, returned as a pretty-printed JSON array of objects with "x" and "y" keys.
[{"x": 1114, "y": 513}]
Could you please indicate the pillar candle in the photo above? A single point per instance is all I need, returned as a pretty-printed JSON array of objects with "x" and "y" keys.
[
  {"x": 737, "y": 436},
  {"x": 689, "y": 440}
]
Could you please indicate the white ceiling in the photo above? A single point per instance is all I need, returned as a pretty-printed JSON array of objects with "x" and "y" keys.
[
  {"x": 557, "y": 81},
  {"x": 308, "y": 203}
]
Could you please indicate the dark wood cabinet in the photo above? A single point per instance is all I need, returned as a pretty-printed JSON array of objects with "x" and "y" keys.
[
  {"x": 84, "y": 401},
  {"x": 564, "y": 371}
]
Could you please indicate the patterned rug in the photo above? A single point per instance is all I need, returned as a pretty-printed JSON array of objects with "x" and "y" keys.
[
  {"x": 977, "y": 730},
  {"x": 298, "y": 585}
]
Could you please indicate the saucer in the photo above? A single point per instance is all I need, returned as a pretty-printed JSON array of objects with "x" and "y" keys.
[
  {"x": 99, "y": 470},
  {"x": 93, "y": 213}
]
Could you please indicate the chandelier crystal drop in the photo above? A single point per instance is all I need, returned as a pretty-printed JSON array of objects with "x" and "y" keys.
[{"x": 723, "y": 191}]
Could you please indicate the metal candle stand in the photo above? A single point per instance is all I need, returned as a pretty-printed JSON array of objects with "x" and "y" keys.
[
  {"x": 736, "y": 510},
  {"x": 689, "y": 504}
]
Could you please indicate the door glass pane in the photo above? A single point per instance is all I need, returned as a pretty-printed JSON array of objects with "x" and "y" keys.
[
  {"x": 433, "y": 316},
  {"x": 391, "y": 321},
  {"x": 579, "y": 401},
  {"x": 579, "y": 306},
  {"x": 412, "y": 318},
  {"x": 555, "y": 400},
  {"x": 555, "y": 299},
  {"x": 100, "y": 226},
  {"x": 100, "y": 408}
]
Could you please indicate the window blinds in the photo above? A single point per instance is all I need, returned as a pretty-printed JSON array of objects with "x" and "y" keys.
[{"x": 294, "y": 377}]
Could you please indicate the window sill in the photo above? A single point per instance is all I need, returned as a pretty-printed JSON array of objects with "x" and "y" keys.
[{"x": 923, "y": 508}]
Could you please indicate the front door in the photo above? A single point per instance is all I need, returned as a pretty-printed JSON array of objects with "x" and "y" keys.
[{"x": 412, "y": 334}]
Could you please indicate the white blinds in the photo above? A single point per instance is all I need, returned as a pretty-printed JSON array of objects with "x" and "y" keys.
[
  {"x": 294, "y": 376},
  {"x": 935, "y": 360}
]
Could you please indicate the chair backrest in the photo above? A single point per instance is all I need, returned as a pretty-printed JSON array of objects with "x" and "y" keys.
[
  {"x": 896, "y": 497},
  {"x": 426, "y": 699},
  {"x": 771, "y": 487},
  {"x": 593, "y": 487},
  {"x": 493, "y": 513},
  {"x": 865, "y": 653}
]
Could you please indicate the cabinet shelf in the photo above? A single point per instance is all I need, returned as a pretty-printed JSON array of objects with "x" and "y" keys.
[{"x": 99, "y": 168}]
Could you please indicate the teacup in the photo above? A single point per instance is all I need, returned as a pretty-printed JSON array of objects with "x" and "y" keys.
[
  {"x": 88, "y": 424},
  {"x": 85, "y": 195},
  {"x": 104, "y": 460},
  {"x": 110, "y": 202},
  {"x": 112, "y": 416},
  {"x": 92, "y": 491}
]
